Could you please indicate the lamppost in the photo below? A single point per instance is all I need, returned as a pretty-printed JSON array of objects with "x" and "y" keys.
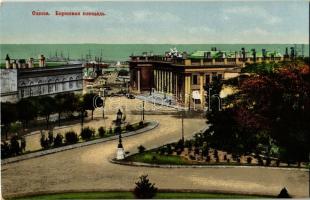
[
  {"x": 120, "y": 154},
  {"x": 142, "y": 115},
  {"x": 182, "y": 115}
]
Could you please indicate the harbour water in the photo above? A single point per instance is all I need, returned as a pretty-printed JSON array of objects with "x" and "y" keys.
[{"x": 121, "y": 52}]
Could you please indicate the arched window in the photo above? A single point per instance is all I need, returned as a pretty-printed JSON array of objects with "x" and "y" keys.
[
  {"x": 71, "y": 83},
  {"x": 77, "y": 81},
  {"x": 50, "y": 86},
  {"x": 64, "y": 82},
  {"x": 56, "y": 85},
  {"x": 39, "y": 87},
  {"x": 22, "y": 91},
  {"x": 30, "y": 88}
]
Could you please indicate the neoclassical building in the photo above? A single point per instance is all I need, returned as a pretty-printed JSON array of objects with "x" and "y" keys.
[
  {"x": 20, "y": 83},
  {"x": 184, "y": 78}
]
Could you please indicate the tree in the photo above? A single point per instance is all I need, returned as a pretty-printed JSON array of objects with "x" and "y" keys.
[
  {"x": 144, "y": 189},
  {"x": 47, "y": 107},
  {"x": 60, "y": 105},
  {"x": 27, "y": 110},
  {"x": 88, "y": 99},
  {"x": 8, "y": 115}
]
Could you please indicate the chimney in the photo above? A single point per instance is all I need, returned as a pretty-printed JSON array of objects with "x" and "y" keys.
[
  {"x": 30, "y": 63},
  {"x": 42, "y": 61},
  {"x": 14, "y": 64},
  {"x": 7, "y": 61}
]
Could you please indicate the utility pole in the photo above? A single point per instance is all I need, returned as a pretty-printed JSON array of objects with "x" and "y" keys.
[
  {"x": 142, "y": 110},
  {"x": 182, "y": 117}
]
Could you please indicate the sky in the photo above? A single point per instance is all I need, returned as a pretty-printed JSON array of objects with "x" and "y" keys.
[{"x": 140, "y": 22}]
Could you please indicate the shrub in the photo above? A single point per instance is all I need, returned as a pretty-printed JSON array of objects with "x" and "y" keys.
[
  {"x": 110, "y": 131},
  {"x": 58, "y": 141},
  {"x": 15, "y": 148},
  {"x": 141, "y": 149},
  {"x": 268, "y": 161},
  {"x": 71, "y": 137},
  {"x": 208, "y": 158},
  {"x": 23, "y": 144},
  {"x": 101, "y": 131},
  {"x": 249, "y": 160},
  {"x": 50, "y": 138},
  {"x": 278, "y": 163},
  {"x": 196, "y": 151},
  {"x": 228, "y": 160},
  {"x": 260, "y": 161},
  {"x": 141, "y": 124},
  {"x": 169, "y": 149},
  {"x": 192, "y": 157},
  {"x": 284, "y": 194},
  {"x": 129, "y": 128},
  {"x": 5, "y": 150},
  {"x": 216, "y": 154},
  {"x": 87, "y": 133},
  {"x": 43, "y": 141},
  {"x": 180, "y": 145},
  {"x": 162, "y": 150},
  {"x": 144, "y": 189},
  {"x": 188, "y": 144},
  {"x": 217, "y": 159}
]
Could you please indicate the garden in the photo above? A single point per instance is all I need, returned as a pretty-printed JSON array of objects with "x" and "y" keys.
[{"x": 265, "y": 122}]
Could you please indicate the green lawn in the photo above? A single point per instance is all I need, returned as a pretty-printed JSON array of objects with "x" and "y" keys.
[
  {"x": 154, "y": 158},
  {"x": 129, "y": 195}
]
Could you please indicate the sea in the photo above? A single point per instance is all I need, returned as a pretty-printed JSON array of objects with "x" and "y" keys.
[{"x": 121, "y": 52}]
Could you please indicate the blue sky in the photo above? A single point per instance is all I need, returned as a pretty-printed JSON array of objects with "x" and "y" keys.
[{"x": 157, "y": 22}]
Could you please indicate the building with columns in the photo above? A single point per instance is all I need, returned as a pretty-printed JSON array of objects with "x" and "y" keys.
[
  {"x": 184, "y": 78},
  {"x": 18, "y": 83}
]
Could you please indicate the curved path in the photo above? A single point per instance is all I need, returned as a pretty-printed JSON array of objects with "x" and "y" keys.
[{"x": 88, "y": 168}]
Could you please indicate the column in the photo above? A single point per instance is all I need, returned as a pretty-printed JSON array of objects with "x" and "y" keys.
[
  {"x": 202, "y": 100},
  {"x": 187, "y": 90},
  {"x": 139, "y": 81}
]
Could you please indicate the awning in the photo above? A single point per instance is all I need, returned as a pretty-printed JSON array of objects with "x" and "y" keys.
[{"x": 196, "y": 95}]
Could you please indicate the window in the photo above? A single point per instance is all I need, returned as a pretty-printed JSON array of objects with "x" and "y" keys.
[
  {"x": 22, "y": 91},
  {"x": 64, "y": 82},
  {"x": 56, "y": 85},
  {"x": 195, "y": 79},
  {"x": 30, "y": 89},
  {"x": 78, "y": 81},
  {"x": 50, "y": 86},
  {"x": 39, "y": 87},
  {"x": 71, "y": 83}
]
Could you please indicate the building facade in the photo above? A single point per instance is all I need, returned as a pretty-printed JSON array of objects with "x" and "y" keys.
[
  {"x": 183, "y": 78},
  {"x": 21, "y": 83}
]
